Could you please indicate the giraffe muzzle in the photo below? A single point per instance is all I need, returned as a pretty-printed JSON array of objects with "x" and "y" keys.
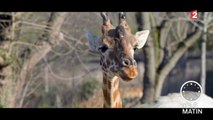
[{"x": 128, "y": 73}]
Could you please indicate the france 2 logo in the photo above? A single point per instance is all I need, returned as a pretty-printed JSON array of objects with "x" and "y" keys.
[{"x": 193, "y": 15}]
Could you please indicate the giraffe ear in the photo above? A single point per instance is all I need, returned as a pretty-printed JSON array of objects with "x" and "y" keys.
[
  {"x": 94, "y": 42},
  {"x": 141, "y": 37}
]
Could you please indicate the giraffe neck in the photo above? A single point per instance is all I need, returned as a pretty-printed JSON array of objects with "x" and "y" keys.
[{"x": 111, "y": 93}]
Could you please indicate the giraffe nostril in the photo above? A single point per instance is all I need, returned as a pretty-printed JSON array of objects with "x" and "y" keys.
[{"x": 126, "y": 62}]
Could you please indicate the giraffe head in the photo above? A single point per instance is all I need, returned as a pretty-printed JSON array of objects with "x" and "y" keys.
[{"x": 117, "y": 46}]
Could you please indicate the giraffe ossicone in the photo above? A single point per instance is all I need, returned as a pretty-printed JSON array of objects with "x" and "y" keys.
[{"x": 116, "y": 47}]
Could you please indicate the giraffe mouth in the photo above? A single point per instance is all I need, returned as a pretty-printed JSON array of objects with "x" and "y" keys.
[{"x": 128, "y": 73}]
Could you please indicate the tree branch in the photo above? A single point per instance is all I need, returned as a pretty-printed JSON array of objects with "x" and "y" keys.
[
  {"x": 174, "y": 59},
  {"x": 164, "y": 30}
]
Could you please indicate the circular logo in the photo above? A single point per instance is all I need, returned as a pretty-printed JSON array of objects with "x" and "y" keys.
[{"x": 191, "y": 90}]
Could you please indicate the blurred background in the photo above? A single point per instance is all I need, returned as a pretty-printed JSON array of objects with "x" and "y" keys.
[{"x": 45, "y": 61}]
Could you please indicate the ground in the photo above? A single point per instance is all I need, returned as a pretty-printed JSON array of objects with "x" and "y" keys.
[{"x": 174, "y": 100}]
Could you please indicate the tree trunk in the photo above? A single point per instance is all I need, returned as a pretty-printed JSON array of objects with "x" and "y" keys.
[
  {"x": 6, "y": 21},
  {"x": 206, "y": 22},
  {"x": 203, "y": 61},
  {"x": 149, "y": 77}
]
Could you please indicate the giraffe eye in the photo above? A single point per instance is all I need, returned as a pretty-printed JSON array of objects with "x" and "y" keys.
[
  {"x": 135, "y": 49},
  {"x": 103, "y": 49}
]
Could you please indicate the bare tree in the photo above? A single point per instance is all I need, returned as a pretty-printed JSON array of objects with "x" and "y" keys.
[
  {"x": 51, "y": 37},
  {"x": 17, "y": 80},
  {"x": 167, "y": 44}
]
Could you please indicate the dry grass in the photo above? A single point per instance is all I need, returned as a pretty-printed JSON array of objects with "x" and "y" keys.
[{"x": 130, "y": 96}]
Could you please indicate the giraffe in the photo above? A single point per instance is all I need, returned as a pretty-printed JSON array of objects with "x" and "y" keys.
[{"x": 116, "y": 48}]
